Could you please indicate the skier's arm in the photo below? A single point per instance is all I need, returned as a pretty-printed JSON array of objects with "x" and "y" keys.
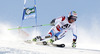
[
  {"x": 74, "y": 31},
  {"x": 56, "y": 20}
]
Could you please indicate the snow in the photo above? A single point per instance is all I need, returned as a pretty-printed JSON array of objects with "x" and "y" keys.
[
  {"x": 20, "y": 47},
  {"x": 12, "y": 43}
]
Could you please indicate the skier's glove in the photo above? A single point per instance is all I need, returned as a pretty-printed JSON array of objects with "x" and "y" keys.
[
  {"x": 74, "y": 40},
  {"x": 74, "y": 43},
  {"x": 53, "y": 22}
]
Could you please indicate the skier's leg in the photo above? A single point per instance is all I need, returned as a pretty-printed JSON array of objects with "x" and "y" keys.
[
  {"x": 40, "y": 38},
  {"x": 54, "y": 32},
  {"x": 57, "y": 36},
  {"x": 55, "y": 29},
  {"x": 60, "y": 35}
]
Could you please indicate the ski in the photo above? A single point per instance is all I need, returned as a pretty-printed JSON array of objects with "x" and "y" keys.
[
  {"x": 45, "y": 43},
  {"x": 59, "y": 45},
  {"x": 56, "y": 45}
]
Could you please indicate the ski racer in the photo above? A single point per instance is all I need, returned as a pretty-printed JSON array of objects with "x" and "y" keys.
[{"x": 60, "y": 26}]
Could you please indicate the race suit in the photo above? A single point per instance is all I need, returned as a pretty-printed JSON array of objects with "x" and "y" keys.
[{"x": 61, "y": 27}]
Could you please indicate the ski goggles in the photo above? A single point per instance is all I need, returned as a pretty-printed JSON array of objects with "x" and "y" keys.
[{"x": 73, "y": 18}]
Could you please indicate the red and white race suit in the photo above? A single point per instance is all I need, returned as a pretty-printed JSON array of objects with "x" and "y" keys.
[{"x": 61, "y": 27}]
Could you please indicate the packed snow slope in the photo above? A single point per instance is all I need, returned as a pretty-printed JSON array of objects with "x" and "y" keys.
[
  {"x": 12, "y": 43},
  {"x": 20, "y": 47}
]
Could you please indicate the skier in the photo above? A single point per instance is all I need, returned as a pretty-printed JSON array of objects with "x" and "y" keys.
[{"x": 60, "y": 26}]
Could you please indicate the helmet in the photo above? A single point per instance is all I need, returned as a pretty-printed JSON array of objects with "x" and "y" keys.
[{"x": 72, "y": 15}]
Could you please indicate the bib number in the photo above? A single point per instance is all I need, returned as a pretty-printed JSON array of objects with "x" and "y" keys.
[{"x": 66, "y": 26}]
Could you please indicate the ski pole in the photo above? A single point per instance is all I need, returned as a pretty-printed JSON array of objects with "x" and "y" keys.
[{"x": 29, "y": 27}]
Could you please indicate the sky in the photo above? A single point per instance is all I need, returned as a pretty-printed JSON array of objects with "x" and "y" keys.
[{"x": 88, "y": 11}]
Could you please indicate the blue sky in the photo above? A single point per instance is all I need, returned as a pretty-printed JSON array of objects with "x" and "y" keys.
[
  {"x": 88, "y": 12},
  {"x": 11, "y": 11}
]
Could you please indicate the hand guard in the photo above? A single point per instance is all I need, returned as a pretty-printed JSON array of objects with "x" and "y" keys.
[{"x": 53, "y": 22}]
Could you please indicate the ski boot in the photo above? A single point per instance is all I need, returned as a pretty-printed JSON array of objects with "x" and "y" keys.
[
  {"x": 51, "y": 41},
  {"x": 54, "y": 39},
  {"x": 37, "y": 38}
]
